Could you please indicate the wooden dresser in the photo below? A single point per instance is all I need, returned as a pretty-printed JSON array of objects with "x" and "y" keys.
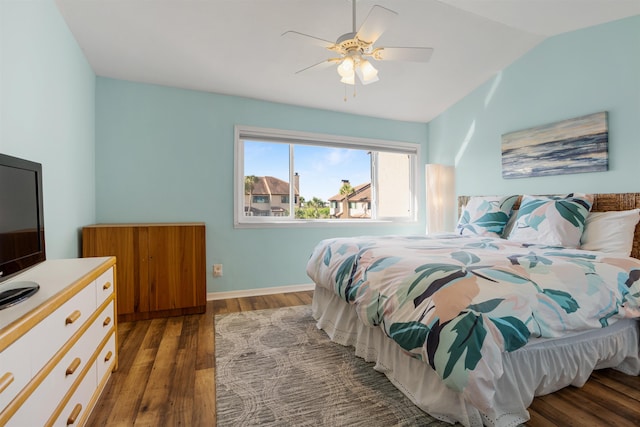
[
  {"x": 58, "y": 348},
  {"x": 161, "y": 267}
]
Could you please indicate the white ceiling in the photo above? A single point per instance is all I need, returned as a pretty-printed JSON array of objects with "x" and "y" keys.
[{"x": 235, "y": 47}]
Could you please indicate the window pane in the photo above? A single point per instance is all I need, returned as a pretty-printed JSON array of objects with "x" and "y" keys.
[
  {"x": 325, "y": 173},
  {"x": 266, "y": 179}
]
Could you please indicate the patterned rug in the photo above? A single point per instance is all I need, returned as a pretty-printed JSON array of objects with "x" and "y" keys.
[{"x": 275, "y": 368}]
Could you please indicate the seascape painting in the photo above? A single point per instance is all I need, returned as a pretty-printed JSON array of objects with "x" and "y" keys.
[{"x": 571, "y": 146}]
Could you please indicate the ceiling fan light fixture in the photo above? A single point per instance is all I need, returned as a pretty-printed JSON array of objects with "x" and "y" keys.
[
  {"x": 367, "y": 72},
  {"x": 345, "y": 69},
  {"x": 349, "y": 80}
]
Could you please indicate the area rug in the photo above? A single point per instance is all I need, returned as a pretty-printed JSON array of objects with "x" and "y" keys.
[{"x": 275, "y": 368}]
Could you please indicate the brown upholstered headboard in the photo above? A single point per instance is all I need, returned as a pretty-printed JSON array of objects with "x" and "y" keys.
[{"x": 601, "y": 203}]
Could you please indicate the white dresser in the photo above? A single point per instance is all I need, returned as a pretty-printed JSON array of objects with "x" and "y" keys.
[{"x": 58, "y": 348}]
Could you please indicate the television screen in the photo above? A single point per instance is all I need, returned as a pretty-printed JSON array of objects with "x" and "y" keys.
[
  {"x": 21, "y": 219},
  {"x": 19, "y": 234}
]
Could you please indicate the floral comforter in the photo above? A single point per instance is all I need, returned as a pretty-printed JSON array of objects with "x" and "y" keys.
[{"x": 458, "y": 302}]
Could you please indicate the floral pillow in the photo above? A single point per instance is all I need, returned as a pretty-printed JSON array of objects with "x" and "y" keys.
[
  {"x": 485, "y": 216},
  {"x": 552, "y": 221}
]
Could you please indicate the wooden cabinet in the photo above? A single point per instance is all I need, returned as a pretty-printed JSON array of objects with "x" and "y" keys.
[
  {"x": 58, "y": 348},
  {"x": 161, "y": 267}
]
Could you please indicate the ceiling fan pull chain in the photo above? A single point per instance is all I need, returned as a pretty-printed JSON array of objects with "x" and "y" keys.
[{"x": 345, "y": 91}]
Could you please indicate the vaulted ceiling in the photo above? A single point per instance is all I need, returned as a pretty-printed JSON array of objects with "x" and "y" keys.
[{"x": 235, "y": 47}]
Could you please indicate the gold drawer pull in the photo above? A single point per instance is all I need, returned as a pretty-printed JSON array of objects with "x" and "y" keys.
[
  {"x": 74, "y": 365},
  {"x": 106, "y": 286},
  {"x": 72, "y": 317},
  {"x": 106, "y": 321},
  {"x": 108, "y": 356},
  {"x": 6, "y": 380},
  {"x": 74, "y": 414}
]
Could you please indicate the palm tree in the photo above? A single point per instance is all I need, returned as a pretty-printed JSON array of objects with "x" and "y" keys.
[
  {"x": 249, "y": 183},
  {"x": 314, "y": 206},
  {"x": 345, "y": 190}
]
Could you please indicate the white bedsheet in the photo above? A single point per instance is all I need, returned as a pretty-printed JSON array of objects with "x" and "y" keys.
[{"x": 541, "y": 367}]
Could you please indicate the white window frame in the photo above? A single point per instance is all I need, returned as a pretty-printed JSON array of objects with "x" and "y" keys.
[{"x": 306, "y": 138}]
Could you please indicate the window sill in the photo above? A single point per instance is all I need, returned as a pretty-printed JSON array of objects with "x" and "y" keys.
[{"x": 301, "y": 223}]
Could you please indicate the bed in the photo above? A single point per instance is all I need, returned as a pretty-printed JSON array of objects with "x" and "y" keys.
[{"x": 472, "y": 325}]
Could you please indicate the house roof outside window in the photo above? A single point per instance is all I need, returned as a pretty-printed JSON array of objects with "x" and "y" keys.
[
  {"x": 361, "y": 193},
  {"x": 270, "y": 185}
]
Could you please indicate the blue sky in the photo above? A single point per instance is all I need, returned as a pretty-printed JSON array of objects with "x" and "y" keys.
[{"x": 321, "y": 169}]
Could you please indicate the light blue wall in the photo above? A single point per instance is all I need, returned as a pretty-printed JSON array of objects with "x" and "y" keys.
[
  {"x": 166, "y": 154},
  {"x": 47, "y": 101},
  {"x": 570, "y": 75}
]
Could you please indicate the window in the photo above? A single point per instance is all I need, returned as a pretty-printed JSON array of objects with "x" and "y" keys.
[
  {"x": 260, "y": 199},
  {"x": 285, "y": 177}
]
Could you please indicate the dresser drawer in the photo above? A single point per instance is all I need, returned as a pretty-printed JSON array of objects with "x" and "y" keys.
[
  {"x": 103, "y": 325},
  {"x": 105, "y": 322},
  {"x": 107, "y": 358},
  {"x": 15, "y": 366},
  {"x": 75, "y": 411},
  {"x": 64, "y": 322},
  {"x": 104, "y": 286},
  {"x": 70, "y": 367}
]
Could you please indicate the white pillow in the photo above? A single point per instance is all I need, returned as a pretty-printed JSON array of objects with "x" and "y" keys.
[{"x": 610, "y": 232}]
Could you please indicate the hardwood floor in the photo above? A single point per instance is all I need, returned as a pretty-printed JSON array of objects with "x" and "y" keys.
[{"x": 166, "y": 377}]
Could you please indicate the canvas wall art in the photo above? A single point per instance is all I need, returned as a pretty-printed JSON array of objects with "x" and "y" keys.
[{"x": 576, "y": 145}]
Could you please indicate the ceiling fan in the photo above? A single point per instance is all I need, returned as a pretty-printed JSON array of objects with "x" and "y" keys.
[{"x": 354, "y": 49}]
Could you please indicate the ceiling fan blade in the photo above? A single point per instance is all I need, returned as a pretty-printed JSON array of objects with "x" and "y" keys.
[
  {"x": 376, "y": 22},
  {"x": 320, "y": 65},
  {"x": 307, "y": 38},
  {"x": 416, "y": 54}
]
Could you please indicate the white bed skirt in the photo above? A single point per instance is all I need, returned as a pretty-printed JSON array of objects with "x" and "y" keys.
[{"x": 541, "y": 367}]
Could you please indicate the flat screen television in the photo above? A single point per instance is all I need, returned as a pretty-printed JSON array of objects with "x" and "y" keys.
[{"x": 21, "y": 216}]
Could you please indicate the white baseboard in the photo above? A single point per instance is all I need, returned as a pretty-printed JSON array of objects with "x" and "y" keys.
[{"x": 260, "y": 291}]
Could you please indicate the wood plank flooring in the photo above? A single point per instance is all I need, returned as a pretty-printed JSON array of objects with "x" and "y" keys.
[{"x": 166, "y": 377}]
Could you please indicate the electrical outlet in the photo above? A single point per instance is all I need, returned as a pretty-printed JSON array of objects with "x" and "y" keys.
[{"x": 217, "y": 270}]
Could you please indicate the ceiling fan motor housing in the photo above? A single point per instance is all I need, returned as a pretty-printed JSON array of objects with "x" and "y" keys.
[{"x": 349, "y": 42}]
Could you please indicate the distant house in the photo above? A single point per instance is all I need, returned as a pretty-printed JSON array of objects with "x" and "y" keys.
[
  {"x": 270, "y": 197},
  {"x": 357, "y": 204}
]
